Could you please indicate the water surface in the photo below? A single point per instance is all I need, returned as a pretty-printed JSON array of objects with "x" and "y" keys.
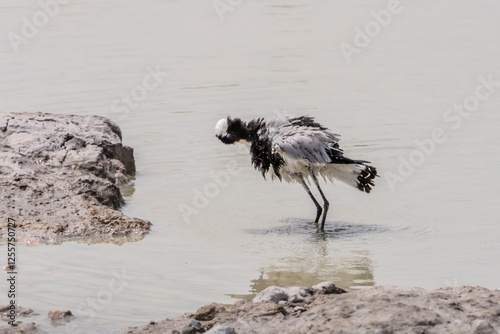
[{"x": 437, "y": 227}]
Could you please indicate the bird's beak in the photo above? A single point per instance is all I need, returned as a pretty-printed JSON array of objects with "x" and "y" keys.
[{"x": 225, "y": 138}]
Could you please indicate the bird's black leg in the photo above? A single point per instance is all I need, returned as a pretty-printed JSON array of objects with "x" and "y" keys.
[
  {"x": 318, "y": 207},
  {"x": 325, "y": 205}
]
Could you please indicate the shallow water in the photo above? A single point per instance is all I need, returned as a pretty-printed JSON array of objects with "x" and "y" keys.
[{"x": 437, "y": 226}]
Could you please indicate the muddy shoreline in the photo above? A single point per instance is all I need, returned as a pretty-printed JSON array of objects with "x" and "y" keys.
[{"x": 324, "y": 308}]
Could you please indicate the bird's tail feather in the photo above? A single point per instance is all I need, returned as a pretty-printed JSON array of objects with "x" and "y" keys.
[{"x": 357, "y": 174}]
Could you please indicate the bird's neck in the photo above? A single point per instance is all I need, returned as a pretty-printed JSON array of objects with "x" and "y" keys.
[
  {"x": 245, "y": 142},
  {"x": 253, "y": 129}
]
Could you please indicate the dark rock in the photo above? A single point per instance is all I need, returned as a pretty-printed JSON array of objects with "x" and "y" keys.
[
  {"x": 193, "y": 327},
  {"x": 208, "y": 312}
]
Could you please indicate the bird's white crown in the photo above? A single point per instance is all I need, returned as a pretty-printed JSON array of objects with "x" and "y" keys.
[{"x": 221, "y": 127}]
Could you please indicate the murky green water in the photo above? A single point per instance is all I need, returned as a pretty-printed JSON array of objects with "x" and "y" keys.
[{"x": 431, "y": 223}]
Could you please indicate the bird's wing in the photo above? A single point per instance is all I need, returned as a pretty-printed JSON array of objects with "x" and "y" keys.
[{"x": 307, "y": 143}]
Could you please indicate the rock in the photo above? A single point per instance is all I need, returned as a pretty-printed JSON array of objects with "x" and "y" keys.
[
  {"x": 273, "y": 294},
  {"x": 60, "y": 177},
  {"x": 208, "y": 312},
  {"x": 5, "y": 311},
  {"x": 276, "y": 294},
  {"x": 299, "y": 309},
  {"x": 327, "y": 288},
  {"x": 298, "y": 294},
  {"x": 22, "y": 328},
  {"x": 193, "y": 327},
  {"x": 221, "y": 330},
  {"x": 484, "y": 328},
  {"x": 60, "y": 315}
]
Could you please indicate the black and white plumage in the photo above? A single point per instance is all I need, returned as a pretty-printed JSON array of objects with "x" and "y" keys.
[{"x": 296, "y": 149}]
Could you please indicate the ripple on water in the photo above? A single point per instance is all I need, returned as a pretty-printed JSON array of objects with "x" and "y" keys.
[{"x": 333, "y": 230}]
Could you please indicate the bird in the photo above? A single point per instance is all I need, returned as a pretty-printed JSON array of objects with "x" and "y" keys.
[{"x": 297, "y": 149}]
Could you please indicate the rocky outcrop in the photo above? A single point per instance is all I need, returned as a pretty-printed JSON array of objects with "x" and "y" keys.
[
  {"x": 60, "y": 177},
  {"x": 325, "y": 309}
]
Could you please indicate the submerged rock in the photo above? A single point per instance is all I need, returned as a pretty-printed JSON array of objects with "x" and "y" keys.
[
  {"x": 6, "y": 312},
  {"x": 60, "y": 177},
  {"x": 22, "y": 328},
  {"x": 55, "y": 315}
]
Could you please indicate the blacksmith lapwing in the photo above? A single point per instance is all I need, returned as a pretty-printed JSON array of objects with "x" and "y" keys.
[{"x": 294, "y": 149}]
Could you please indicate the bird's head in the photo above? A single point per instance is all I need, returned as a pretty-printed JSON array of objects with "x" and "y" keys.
[{"x": 230, "y": 131}]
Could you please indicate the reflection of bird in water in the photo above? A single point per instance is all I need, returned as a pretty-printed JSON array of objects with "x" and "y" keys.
[
  {"x": 294, "y": 149},
  {"x": 350, "y": 273}
]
